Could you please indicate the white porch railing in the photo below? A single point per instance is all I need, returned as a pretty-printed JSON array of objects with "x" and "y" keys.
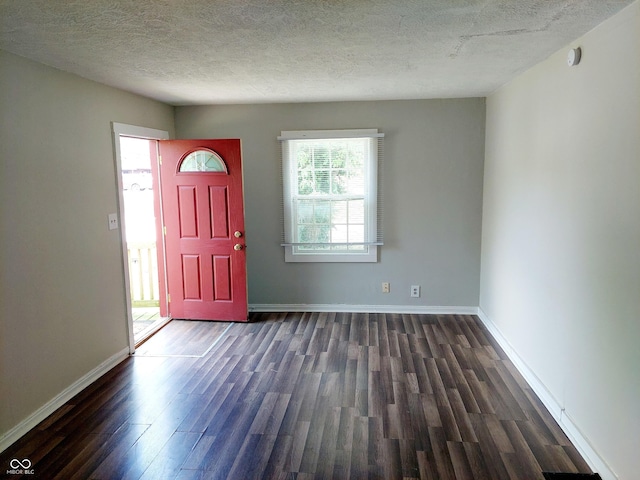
[{"x": 143, "y": 274}]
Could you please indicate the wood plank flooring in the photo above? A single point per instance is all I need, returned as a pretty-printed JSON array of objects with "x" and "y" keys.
[
  {"x": 183, "y": 338},
  {"x": 310, "y": 395}
]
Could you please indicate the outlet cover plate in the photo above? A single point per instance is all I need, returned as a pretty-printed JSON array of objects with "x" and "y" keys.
[{"x": 113, "y": 221}]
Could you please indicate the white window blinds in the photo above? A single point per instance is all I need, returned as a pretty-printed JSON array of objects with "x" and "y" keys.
[{"x": 332, "y": 195}]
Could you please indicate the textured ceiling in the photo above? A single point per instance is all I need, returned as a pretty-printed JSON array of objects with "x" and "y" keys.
[{"x": 250, "y": 51}]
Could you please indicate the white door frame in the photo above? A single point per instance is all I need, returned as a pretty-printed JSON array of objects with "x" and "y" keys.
[{"x": 122, "y": 129}]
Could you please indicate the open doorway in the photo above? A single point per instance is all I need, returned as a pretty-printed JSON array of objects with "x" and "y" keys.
[
  {"x": 140, "y": 228},
  {"x": 143, "y": 250}
]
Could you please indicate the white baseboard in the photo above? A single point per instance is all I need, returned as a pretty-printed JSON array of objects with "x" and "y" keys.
[
  {"x": 318, "y": 307},
  {"x": 8, "y": 438},
  {"x": 595, "y": 461}
]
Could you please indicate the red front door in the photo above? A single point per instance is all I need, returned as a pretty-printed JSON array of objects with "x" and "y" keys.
[{"x": 204, "y": 218}]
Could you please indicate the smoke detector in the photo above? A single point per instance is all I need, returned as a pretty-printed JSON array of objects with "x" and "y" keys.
[{"x": 573, "y": 58}]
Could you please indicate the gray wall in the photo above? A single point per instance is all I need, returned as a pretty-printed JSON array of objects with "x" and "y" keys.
[
  {"x": 561, "y": 232},
  {"x": 433, "y": 193},
  {"x": 62, "y": 304}
]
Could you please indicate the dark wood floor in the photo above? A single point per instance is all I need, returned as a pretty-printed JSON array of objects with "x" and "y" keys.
[
  {"x": 313, "y": 395},
  {"x": 183, "y": 338}
]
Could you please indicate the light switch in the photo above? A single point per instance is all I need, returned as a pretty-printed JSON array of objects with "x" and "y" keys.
[{"x": 113, "y": 221}]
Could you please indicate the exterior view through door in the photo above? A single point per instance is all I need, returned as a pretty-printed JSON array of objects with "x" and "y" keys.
[
  {"x": 144, "y": 254},
  {"x": 203, "y": 214}
]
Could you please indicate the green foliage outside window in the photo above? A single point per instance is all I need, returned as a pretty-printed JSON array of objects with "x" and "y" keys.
[{"x": 330, "y": 199}]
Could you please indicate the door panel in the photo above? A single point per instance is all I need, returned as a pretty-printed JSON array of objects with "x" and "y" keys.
[
  {"x": 222, "y": 277},
  {"x": 203, "y": 210},
  {"x": 191, "y": 277},
  {"x": 187, "y": 211},
  {"x": 219, "y": 207}
]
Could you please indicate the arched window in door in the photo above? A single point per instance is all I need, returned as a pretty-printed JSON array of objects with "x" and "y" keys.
[{"x": 203, "y": 161}]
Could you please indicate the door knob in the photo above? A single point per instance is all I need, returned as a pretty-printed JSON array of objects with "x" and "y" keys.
[
  {"x": 238, "y": 234},
  {"x": 238, "y": 246}
]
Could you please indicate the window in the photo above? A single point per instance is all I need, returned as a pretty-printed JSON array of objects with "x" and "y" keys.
[
  {"x": 203, "y": 161},
  {"x": 330, "y": 195}
]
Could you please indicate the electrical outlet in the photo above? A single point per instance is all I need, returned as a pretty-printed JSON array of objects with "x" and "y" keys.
[
  {"x": 415, "y": 291},
  {"x": 113, "y": 221},
  {"x": 386, "y": 288}
]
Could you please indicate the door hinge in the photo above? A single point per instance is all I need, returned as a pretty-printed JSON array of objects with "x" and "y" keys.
[
  {"x": 164, "y": 230},
  {"x": 168, "y": 298},
  {"x": 160, "y": 159}
]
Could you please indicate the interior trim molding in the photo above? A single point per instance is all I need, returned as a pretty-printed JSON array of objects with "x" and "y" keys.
[
  {"x": 13, "y": 435},
  {"x": 580, "y": 441},
  {"x": 320, "y": 307}
]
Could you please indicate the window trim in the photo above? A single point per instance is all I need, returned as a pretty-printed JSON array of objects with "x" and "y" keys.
[{"x": 371, "y": 197}]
